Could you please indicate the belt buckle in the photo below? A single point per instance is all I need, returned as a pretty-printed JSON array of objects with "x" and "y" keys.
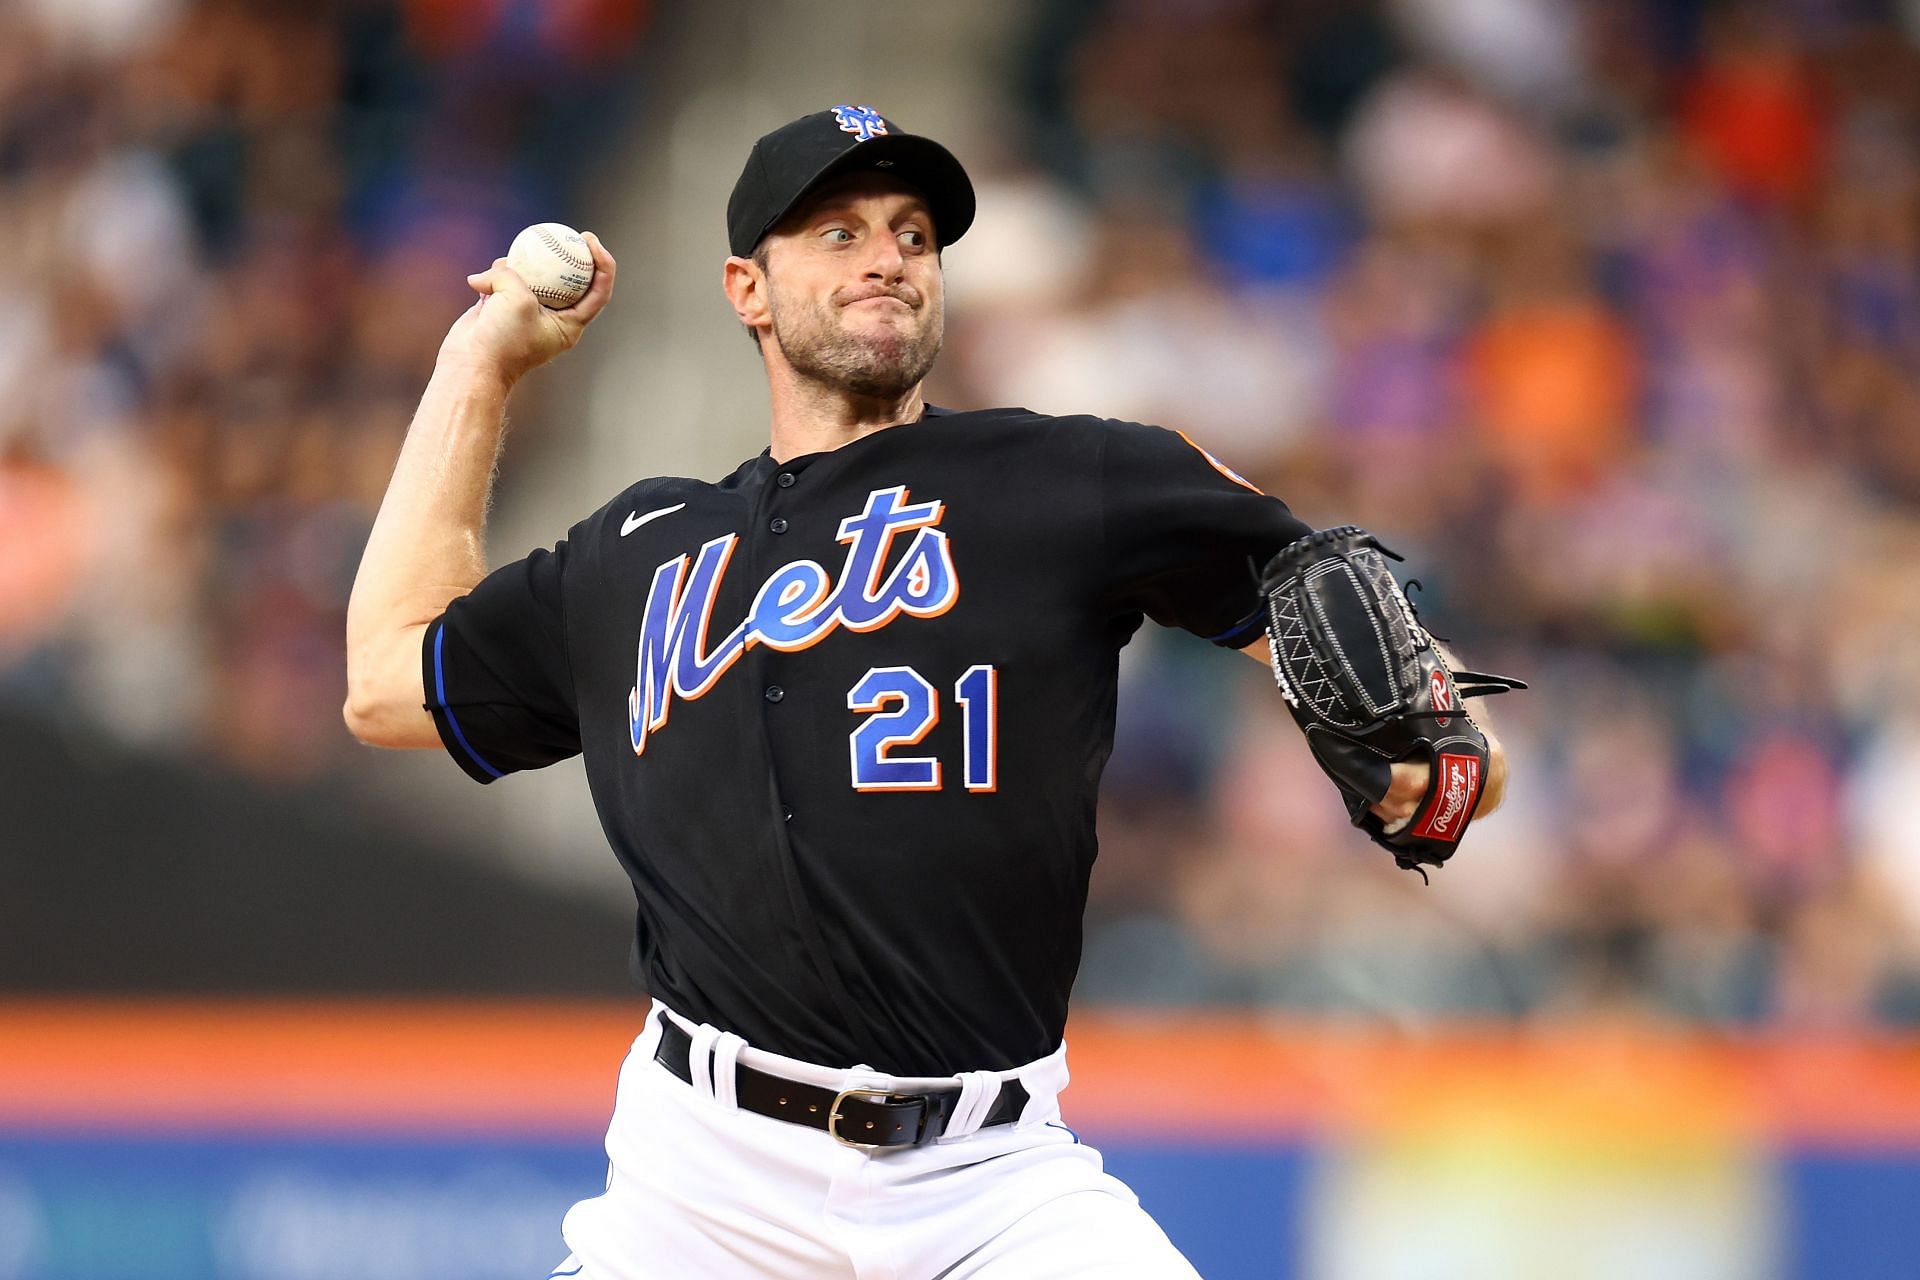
[{"x": 878, "y": 1095}]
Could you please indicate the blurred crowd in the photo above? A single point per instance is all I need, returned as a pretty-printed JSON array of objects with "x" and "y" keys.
[
  {"x": 1606, "y": 315},
  {"x": 233, "y": 232}
]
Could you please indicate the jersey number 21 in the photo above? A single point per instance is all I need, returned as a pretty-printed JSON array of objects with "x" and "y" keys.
[{"x": 901, "y": 708}]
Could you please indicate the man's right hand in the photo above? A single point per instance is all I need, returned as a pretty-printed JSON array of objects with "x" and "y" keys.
[
  {"x": 507, "y": 331},
  {"x": 428, "y": 542}
]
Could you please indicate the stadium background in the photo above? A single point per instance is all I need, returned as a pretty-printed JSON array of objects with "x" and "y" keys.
[{"x": 1606, "y": 314}]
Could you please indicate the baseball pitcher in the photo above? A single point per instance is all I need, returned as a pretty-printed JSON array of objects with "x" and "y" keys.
[{"x": 844, "y": 714}]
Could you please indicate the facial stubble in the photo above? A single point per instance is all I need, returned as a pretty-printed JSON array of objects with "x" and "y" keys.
[{"x": 882, "y": 365}]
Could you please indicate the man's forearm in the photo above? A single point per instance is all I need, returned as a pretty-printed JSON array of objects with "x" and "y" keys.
[{"x": 427, "y": 547}]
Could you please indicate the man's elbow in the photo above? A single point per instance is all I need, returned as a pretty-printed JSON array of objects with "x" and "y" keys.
[
  {"x": 361, "y": 719},
  {"x": 394, "y": 725},
  {"x": 385, "y": 704},
  {"x": 387, "y": 715},
  {"x": 368, "y": 719}
]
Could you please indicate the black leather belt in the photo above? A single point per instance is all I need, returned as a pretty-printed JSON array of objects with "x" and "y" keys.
[{"x": 856, "y": 1117}]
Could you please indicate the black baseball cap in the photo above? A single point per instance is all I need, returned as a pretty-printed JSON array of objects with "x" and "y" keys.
[{"x": 795, "y": 158}]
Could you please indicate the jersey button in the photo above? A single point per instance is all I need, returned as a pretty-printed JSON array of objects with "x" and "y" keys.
[
  {"x": 779, "y": 524},
  {"x": 775, "y": 693},
  {"x": 784, "y": 480}
]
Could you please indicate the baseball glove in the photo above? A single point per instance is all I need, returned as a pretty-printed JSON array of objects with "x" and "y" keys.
[{"x": 1368, "y": 686}]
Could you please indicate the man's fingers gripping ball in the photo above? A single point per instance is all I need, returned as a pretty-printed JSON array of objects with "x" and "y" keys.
[
  {"x": 484, "y": 282},
  {"x": 498, "y": 279},
  {"x": 590, "y": 304}
]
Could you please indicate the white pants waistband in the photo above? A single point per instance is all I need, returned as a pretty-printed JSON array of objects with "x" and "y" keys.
[{"x": 715, "y": 1053}]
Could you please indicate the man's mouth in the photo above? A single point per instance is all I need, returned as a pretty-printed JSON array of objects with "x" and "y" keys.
[{"x": 880, "y": 299}]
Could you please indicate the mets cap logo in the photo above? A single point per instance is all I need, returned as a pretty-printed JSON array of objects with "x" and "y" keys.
[{"x": 863, "y": 122}]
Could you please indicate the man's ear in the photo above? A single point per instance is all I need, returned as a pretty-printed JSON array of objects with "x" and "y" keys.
[{"x": 746, "y": 286}]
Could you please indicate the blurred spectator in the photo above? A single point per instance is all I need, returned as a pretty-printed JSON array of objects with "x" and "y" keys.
[
  {"x": 1551, "y": 373},
  {"x": 1430, "y": 149},
  {"x": 45, "y": 540},
  {"x": 1750, "y": 105}
]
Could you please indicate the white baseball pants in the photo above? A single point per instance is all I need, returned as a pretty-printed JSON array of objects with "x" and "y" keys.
[{"x": 700, "y": 1190}]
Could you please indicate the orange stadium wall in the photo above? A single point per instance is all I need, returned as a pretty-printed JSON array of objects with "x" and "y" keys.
[{"x": 161, "y": 1140}]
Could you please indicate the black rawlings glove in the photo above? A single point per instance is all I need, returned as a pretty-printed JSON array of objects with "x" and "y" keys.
[{"x": 1368, "y": 687}]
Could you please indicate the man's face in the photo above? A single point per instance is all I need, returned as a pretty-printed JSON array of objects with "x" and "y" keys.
[{"x": 854, "y": 289}]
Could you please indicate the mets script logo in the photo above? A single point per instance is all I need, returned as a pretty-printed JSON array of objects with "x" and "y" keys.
[
  {"x": 864, "y": 123},
  {"x": 796, "y": 608}
]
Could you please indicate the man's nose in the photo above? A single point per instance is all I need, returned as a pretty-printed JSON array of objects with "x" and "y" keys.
[{"x": 885, "y": 261}]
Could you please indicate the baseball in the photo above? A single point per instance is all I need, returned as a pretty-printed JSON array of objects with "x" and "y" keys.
[{"x": 554, "y": 261}]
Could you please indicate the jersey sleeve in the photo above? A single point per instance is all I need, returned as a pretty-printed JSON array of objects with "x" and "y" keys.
[
  {"x": 497, "y": 675},
  {"x": 1185, "y": 534}
]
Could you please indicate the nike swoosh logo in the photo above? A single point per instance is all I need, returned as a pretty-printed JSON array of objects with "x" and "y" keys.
[{"x": 633, "y": 521}]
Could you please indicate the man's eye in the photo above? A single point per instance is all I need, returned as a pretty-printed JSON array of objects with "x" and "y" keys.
[
  {"x": 840, "y": 235},
  {"x": 913, "y": 238}
]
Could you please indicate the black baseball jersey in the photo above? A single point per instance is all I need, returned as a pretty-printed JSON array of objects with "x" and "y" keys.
[{"x": 844, "y": 717}]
